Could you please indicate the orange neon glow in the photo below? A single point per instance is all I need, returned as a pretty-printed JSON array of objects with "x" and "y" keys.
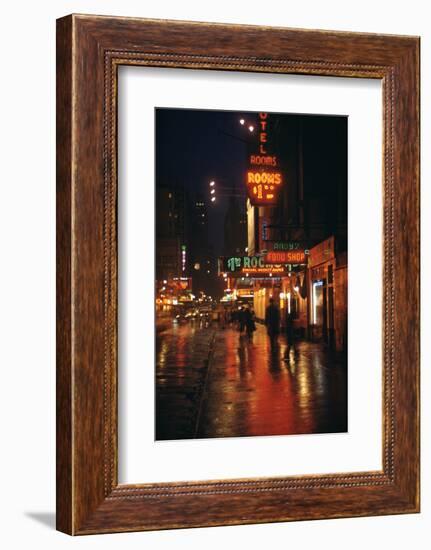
[
  {"x": 264, "y": 177},
  {"x": 262, "y": 182},
  {"x": 263, "y": 270},
  {"x": 286, "y": 257},
  {"x": 260, "y": 160}
]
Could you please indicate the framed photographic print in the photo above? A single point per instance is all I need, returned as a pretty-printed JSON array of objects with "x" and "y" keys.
[{"x": 237, "y": 274}]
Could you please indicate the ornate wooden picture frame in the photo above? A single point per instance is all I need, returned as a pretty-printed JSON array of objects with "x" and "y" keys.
[{"x": 89, "y": 51}]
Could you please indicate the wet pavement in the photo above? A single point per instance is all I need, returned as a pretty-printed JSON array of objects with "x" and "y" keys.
[
  {"x": 182, "y": 358},
  {"x": 219, "y": 383}
]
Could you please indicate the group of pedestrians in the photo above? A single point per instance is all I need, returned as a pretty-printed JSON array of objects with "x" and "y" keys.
[
  {"x": 272, "y": 322},
  {"x": 245, "y": 319}
]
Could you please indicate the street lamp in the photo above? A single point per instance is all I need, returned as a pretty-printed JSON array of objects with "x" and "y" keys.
[
  {"x": 212, "y": 191},
  {"x": 223, "y": 190},
  {"x": 243, "y": 122}
]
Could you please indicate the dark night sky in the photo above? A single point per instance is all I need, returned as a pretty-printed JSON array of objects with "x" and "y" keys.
[{"x": 194, "y": 147}]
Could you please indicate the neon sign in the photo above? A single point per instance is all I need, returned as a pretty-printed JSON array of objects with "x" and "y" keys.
[
  {"x": 262, "y": 133},
  {"x": 270, "y": 178},
  {"x": 292, "y": 245},
  {"x": 266, "y": 270},
  {"x": 249, "y": 265},
  {"x": 237, "y": 262},
  {"x": 262, "y": 181},
  {"x": 183, "y": 258},
  {"x": 260, "y": 160},
  {"x": 287, "y": 257}
]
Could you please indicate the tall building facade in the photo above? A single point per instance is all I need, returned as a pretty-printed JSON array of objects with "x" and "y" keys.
[
  {"x": 310, "y": 215},
  {"x": 235, "y": 229},
  {"x": 200, "y": 250},
  {"x": 171, "y": 232}
]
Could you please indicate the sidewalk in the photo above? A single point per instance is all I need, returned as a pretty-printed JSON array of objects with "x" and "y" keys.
[
  {"x": 182, "y": 362},
  {"x": 251, "y": 390},
  {"x": 212, "y": 382}
]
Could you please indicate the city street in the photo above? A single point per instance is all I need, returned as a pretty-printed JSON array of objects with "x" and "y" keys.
[
  {"x": 214, "y": 382},
  {"x": 256, "y": 230}
]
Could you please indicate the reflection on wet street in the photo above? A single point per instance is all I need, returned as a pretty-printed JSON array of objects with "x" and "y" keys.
[
  {"x": 220, "y": 383},
  {"x": 254, "y": 389},
  {"x": 181, "y": 366}
]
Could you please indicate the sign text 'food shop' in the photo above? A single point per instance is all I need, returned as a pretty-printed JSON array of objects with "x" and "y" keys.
[{"x": 287, "y": 257}]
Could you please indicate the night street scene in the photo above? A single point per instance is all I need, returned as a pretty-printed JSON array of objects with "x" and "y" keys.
[{"x": 251, "y": 274}]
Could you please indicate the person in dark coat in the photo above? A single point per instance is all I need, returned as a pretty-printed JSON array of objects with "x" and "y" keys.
[
  {"x": 272, "y": 321},
  {"x": 290, "y": 336},
  {"x": 250, "y": 326},
  {"x": 241, "y": 319},
  {"x": 233, "y": 317}
]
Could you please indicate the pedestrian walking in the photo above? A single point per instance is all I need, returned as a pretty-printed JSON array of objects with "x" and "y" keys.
[
  {"x": 272, "y": 321},
  {"x": 241, "y": 319},
  {"x": 290, "y": 333},
  {"x": 233, "y": 317},
  {"x": 250, "y": 325}
]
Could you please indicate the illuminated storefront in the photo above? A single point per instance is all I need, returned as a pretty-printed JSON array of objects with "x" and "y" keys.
[
  {"x": 321, "y": 266},
  {"x": 317, "y": 314},
  {"x": 328, "y": 293},
  {"x": 173, "y": 292}
]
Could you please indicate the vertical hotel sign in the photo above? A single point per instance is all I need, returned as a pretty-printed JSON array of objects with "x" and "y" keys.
[{"x": 264, "y": 179}]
